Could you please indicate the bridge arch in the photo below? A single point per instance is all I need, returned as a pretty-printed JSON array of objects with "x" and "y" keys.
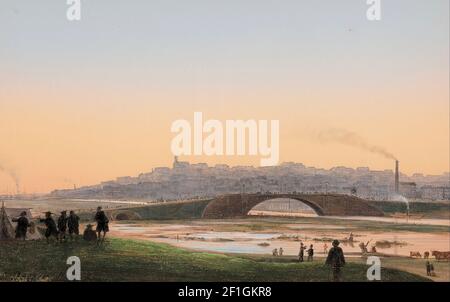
[
  {"x": 286, "y": 205},
  {"x": 238, "y": 205}
]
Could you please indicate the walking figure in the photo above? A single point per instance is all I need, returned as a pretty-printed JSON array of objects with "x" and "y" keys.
[
  {"x": 336, "y": 260},
  {"x": 310, "y": 253},
  {"x": 51, "y": 226},
  {"x": 62, "y": 226},
  {"x": 73, "y": 223},
  {"x": 275, "y": 252},
  {"x": 102, "y": 224},
  {"x": 22, "y": 226},
  {"x": 301, "y": 252}
]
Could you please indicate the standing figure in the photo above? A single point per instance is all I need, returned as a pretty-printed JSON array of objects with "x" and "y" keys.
[
  {"x": 22, "y": 226},
  {"x": 51, "y": 226},
  {"x": 62, "y": 226},
  {"x": 325, "y": 248},
  {"x": 310, "y": 253},
  {"x": 350, "y": 238},
  {"x": 428, "y": 267},
  {"x": 73, "y": 222},
  {"x": 301, "y": 253},
  {"x": 280, "y": 253},
  {"x": 336, "y": 260},
  {"x": 102, "y": 224}
]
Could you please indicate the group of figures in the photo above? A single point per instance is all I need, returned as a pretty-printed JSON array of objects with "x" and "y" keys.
[
  {"x": 301, "y": 253},
  {"x": 335, "y": 257},
  {"x": 66, "y": 224},
  {"x": 278, "y": 252}
]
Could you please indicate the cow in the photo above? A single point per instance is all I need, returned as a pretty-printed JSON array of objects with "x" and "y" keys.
[
  {"x": 426, "y": 255},
  {"x": 441, "y": 255},
  {"x": 415, "y": 254}
]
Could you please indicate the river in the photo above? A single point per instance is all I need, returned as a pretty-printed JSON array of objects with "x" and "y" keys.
[{"x": 216, "y": 236}]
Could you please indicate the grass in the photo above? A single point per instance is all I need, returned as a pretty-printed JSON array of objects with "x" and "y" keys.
[
  {"x": 254, "y": 224},
  {"x": 133, "y": 260},
  {"x": 360, "y": 225},
  {"x": 429, "y": 209}
]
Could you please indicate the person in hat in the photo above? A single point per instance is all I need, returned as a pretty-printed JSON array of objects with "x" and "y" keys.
[
  {"x": 301, "y": 253},
  {"x": 62, "y": 226},
  {"x": 89, "y": 234},
  {"x": 22, "y": 225},
  {"x": 102, "y": 224},
  {"x": 51, "y": 226},
  {"x": 73, "y": 223},
  {"x": 336, "y": 260},
  {"x": 310, "y": 253}
]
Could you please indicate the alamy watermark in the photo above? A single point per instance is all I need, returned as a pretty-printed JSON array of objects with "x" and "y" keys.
[
  {"x": 73, "y": 273},
  {"x": 234, "y": 137},
  {"x": 74, "y": 10},
  {"x": 374, "y": 271},
  {"x": 374, "y": 11}
]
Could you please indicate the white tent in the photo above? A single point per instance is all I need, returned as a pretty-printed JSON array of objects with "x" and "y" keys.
[{"x": 8, "y": 227}]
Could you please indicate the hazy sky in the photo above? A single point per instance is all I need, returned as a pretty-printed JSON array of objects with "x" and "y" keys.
[{"x": 86, "y": 101}]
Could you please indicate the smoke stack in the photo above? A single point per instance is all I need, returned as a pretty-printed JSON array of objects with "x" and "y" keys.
[{"x": 396, "y": 177}]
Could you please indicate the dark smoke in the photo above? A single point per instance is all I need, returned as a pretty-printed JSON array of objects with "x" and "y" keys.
[
  {"x": 349, "y": 138},
  {"x": 13, "y": 175}
]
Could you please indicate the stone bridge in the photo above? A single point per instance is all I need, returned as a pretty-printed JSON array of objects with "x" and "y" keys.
[{"x": 236, "y": 205}]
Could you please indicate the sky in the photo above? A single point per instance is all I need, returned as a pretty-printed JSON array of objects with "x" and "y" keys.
[{"x": 90, "y": 100}]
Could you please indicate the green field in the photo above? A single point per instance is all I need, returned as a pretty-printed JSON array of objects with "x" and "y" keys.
[
  {"x": 132, "y": 260},
  {"x": 428, "y": 209}
]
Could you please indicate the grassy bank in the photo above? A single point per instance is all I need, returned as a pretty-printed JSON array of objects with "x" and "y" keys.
[
  {"x": 255, "y": 224},
  {"x": 129, "y": 260},
  {"x": 428, "y": 209}
]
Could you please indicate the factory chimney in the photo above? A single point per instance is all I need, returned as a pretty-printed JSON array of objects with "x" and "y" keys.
[{"x": 396, "y": 177}]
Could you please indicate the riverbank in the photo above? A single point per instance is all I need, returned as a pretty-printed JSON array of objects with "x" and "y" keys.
[
  {"x": 258, "y": 236},
  {"x": 136, "y": 260}
]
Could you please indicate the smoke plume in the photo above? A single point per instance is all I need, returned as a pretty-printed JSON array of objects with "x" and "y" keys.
[
  {"x": 13, "y": 175},
  {"x": 352, "y": 139}
]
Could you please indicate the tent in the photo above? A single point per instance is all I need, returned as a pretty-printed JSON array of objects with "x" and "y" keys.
[{"x": 8, "y": 227}]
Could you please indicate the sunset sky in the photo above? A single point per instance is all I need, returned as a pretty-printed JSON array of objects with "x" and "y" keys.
[{"x": 87, "y": 101}]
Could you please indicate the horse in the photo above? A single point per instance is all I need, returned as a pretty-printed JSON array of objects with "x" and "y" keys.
[
  {"x": 415, "y": 254},
  {"x": 441, "y": 255}
]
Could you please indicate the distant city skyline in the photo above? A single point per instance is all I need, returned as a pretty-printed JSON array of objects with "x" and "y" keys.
[
  {"x": 185, "y": 180},
  {"x": 86, "y": 101},
  {"x": 71, "y": 184}
]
